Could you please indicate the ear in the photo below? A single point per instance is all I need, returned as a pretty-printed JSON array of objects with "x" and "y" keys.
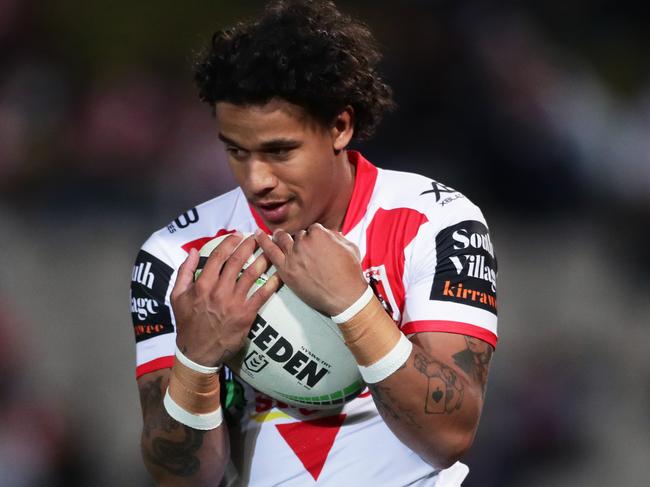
[{"x": 342, "y": 129}]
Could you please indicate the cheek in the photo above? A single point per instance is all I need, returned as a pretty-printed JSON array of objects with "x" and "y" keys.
[
  {"x": 236, "y": 171},
  {"x": 316, "y": 183}
]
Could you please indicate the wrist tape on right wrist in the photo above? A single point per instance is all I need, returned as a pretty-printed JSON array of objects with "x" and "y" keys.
[{"x": 192, "y": 398}]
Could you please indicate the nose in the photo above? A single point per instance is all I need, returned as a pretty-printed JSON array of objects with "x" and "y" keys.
[{"x": 259, "y": 178}]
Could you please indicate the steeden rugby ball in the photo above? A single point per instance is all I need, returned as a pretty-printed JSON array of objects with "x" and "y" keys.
[{"x": 293, "y": 353}]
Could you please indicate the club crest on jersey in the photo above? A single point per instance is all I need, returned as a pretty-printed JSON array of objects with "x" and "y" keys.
[{"x": 378, "y": 280}]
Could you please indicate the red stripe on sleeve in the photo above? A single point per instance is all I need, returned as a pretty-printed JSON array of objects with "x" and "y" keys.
[
  {"x": 153, "y": 365},
  {"x": 450, "y": 327}
]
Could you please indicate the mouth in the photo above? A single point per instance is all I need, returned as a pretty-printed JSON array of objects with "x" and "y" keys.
[{"x": 274, "y": 211}]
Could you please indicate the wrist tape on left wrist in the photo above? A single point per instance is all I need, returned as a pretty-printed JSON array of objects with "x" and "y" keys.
[{"x": 379, "y": 347}]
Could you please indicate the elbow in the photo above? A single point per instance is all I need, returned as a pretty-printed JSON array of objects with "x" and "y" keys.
[
  {"x": 445, "y": 454},
  {"x": 452, "y": 456}
]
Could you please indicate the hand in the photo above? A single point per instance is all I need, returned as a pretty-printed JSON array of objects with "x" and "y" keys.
[
  {"x": 213, "y": 315},
  {"x": 319, "y": 265}
]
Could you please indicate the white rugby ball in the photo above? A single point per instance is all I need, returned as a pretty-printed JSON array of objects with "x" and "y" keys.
[{"x": 293, "y": 353}]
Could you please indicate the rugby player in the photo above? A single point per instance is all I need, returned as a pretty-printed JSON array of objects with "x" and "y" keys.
[{"x": 403, "y": 263}]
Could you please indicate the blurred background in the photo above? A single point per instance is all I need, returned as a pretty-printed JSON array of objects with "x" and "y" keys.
[{"x": 537, "y": 111}]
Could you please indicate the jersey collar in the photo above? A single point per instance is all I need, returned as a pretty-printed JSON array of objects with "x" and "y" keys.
[{"x": 364, "y": 184}]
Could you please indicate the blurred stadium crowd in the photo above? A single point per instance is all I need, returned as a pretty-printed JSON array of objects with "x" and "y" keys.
[{"x": 538, "y": 111}]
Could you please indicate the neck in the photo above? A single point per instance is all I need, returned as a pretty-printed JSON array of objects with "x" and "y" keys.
[{"x": 345, "y": 173}]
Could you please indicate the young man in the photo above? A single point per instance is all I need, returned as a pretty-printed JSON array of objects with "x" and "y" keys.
[{"x": 403, "y": 262}]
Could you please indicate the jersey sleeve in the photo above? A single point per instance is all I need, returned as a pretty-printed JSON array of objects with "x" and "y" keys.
[
  {"x": 451, "y": 277},
  {"x": 153, "y": 323}
]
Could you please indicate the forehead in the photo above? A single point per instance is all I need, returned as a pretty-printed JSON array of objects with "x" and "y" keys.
[{"x": 259, "y": 123}]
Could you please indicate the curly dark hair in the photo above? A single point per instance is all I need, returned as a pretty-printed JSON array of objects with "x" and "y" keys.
[{"x": 305, "y": 52}]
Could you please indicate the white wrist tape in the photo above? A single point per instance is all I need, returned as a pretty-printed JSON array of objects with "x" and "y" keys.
[
  {"x": 191, "y": 364},
  {"x": 357, "y": 306},
  {"x": 389, "y": 363},
  {"x": 203, "y": 422}
]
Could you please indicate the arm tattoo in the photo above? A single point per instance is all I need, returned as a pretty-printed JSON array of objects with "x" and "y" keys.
[
  {"x": 475, "y": 360},
  {"x": 176, "y": 456},
  {"x": 444, "y": 390},
  {"x": 385, "y": 402}
]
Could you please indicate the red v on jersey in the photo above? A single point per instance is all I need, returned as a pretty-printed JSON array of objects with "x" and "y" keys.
[{"x": 312, "y": 441}]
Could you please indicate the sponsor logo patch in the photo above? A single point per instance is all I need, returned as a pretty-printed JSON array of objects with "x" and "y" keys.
[
  {"x": 144, "y": 308},
  {"x": 443, "y": 194},
  {"x": 149, "y": 282},
  {"x": 466, "y": 271},
  {"x": 184, "y": 220},
  {"x": 148, "y": 330}
]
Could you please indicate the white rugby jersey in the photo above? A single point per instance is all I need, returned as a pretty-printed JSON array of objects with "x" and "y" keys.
[{"x": 426, "y": 253}]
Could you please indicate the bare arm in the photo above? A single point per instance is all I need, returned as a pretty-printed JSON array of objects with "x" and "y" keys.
[
  {"x": 173, "y": 453},
  {"x": 433, "y": 402},
  {"x": 213, "y": 316}
]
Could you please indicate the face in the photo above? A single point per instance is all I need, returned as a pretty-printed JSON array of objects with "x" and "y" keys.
[{"x": 291, "y": 168}]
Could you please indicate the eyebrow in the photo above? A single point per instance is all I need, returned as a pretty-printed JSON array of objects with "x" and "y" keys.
[
  {"x": 228, "y": 141},
  {"x": 274, "y": 144}
]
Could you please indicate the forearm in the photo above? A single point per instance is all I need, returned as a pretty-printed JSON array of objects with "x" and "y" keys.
[
  {"x": 431, "y": 406},
  {"x": 433, "y": 401},
  {"x": 174, "y": 453}
]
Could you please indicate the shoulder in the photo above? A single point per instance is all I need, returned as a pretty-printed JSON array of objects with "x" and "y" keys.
[
  {"x": 438, "y": 204},
  {"x": 195, "y": 226}
]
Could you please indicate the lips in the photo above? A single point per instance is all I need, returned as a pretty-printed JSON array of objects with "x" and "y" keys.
[{"x": 274, "y": 211}]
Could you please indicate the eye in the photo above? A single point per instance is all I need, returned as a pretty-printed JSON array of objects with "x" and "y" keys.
[
  {"x": 280, "y": 153},
  {"x": 236, "y": 152}
]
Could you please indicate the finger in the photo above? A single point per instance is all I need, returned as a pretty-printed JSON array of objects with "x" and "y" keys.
[
  {"x": 349, "y": 245},
  {"x": 263, "y": 294},
  {"x": 283, "y": 240},
  {"x": 252, "y": 273},
  {"x": 270, "y": 249},
  {"x": 299, "y": 236},
  {"x": 185, "y": 276},
  {"x": 237, "y": 259},
  {"x": 219, "y": 256},
  {"x": 316, "y": 228}
]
